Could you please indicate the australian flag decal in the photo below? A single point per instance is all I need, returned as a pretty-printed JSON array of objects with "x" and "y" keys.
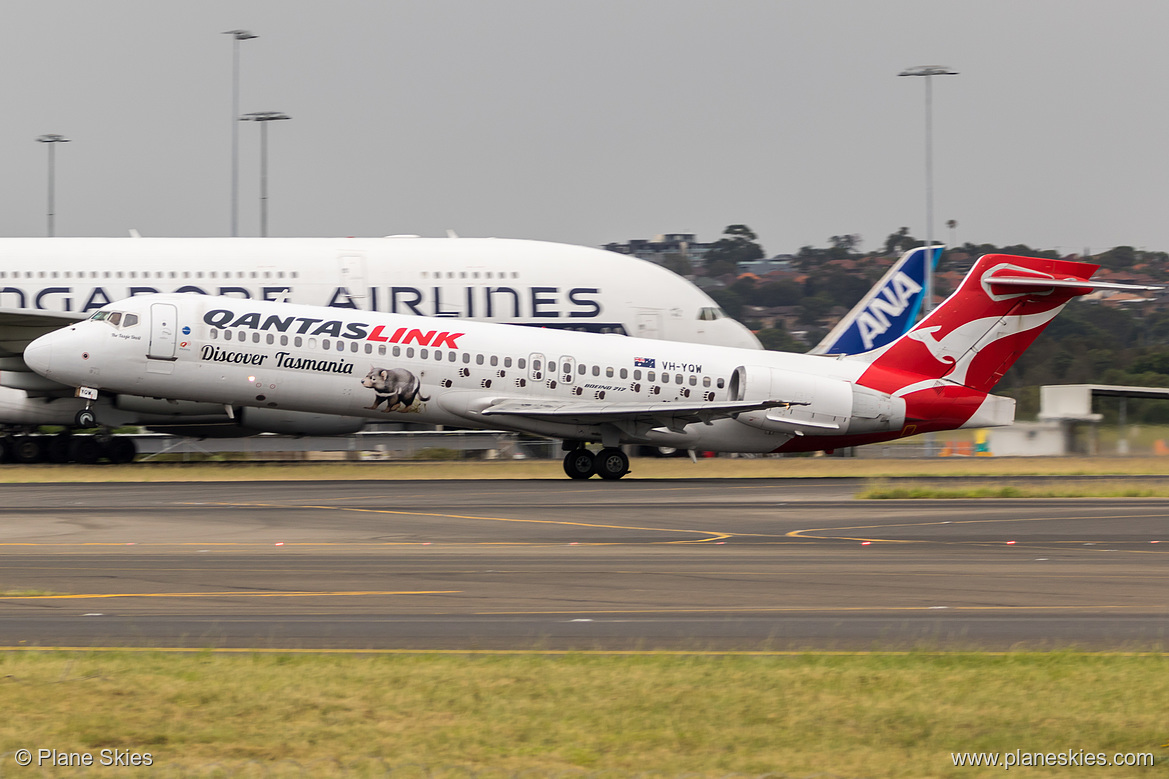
[{"x": 644, "y": 362}]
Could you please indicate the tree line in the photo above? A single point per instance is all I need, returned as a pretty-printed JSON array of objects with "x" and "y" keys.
[{"x": 1088, "y": 343}]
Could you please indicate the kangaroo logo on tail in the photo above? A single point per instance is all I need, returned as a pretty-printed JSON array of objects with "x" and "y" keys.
[{"x": 975, "y": 336}]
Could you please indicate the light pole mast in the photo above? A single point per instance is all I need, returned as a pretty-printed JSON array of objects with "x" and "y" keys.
[
  {"x": 236, "y": 37},
  {"x": 263, "y": 117},
  {"x": 51, "y": 140},
  {"x": 929, "y": 71}
]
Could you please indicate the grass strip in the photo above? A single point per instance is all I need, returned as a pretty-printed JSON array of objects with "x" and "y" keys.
[
  {"x": 874, "y": 715},
  {"x": 880, "y": 490}
]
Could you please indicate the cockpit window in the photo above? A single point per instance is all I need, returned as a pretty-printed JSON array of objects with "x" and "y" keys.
[
  {"x": 115, "y": 318},
  {"x": 710, "y": 313}
]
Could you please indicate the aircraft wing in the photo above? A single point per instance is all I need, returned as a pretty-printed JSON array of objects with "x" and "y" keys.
[
  {"x": 19, "y": 327},
  {"x": 639, "y": 416}
]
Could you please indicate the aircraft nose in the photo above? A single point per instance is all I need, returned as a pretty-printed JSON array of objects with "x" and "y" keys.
[
  {"x": 45, "y": 355},
  {"x": 38, "y": 355}
]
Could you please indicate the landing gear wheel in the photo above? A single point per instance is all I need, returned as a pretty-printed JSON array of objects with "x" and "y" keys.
[
  {"x": 5, "y": 450},
  {"x": 579, "y": 464},
  {"x": 121, "y": 450},
  {"x": 612, "y": 464},
  {"x": 28, "y": 449},
  {"x": 85, "y": 418},
  {"x": 85, "y": 449}
]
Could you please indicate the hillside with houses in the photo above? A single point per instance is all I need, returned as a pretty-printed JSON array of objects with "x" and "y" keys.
[{"x": 792, "y": 300}]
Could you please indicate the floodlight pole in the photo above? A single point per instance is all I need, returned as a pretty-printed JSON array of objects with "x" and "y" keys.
[
  {"x": 236, "y": 37},
  {"x": 929, "y": 71},
  {"x": 263, "y": 117},
  {"x": 51, "y": 140}
]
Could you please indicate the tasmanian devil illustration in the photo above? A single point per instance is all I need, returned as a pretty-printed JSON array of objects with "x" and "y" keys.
[{"x": 395, "y": 387}]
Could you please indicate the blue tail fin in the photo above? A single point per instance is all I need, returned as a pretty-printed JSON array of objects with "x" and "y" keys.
[{"x": 888, "y": 311}]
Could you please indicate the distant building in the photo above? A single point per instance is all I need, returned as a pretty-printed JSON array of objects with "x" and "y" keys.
[
  {"x": 684, "y": 244},
  {"x": 763, "y": 267}
]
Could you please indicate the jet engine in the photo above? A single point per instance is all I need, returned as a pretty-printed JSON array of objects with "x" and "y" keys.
[{"x": 821, "y": 406}]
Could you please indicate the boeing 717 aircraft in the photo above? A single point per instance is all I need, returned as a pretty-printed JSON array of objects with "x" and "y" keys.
[{"x": 256, "y": 359}]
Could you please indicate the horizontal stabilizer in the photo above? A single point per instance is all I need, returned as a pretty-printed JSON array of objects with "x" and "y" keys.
[{"x": 1032, "y": 282}]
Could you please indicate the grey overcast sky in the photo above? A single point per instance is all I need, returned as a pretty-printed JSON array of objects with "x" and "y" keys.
[{"x": 589, "y": 122}]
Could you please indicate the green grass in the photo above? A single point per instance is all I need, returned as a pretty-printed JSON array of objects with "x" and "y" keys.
[
  {"x": 873, "y": 715},
  {"x": 885, "y": 491}
]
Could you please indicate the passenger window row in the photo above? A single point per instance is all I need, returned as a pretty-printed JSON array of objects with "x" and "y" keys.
[
  {"x": 450, "y": 274},
  {"x": 438, "y": 355}
]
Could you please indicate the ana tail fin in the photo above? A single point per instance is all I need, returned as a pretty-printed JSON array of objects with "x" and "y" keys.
[
  {"x": 978, "y": 332},
  {"x": 888, "y": 310}
]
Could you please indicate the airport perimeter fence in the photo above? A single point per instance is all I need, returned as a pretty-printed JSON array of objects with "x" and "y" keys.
[{"x": 368, "y": 768}]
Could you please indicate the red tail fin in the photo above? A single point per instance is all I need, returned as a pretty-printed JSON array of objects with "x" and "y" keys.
[{"x": 975, "y": 336}]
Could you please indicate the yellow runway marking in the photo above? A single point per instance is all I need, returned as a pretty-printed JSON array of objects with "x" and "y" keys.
[
  {"x": 714, "y": 535},
  {"x": 514, "y": 493},
  {"x": 230, "y": 594}
]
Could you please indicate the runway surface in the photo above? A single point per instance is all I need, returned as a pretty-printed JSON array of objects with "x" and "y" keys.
[{"x": 743, "y": 564}]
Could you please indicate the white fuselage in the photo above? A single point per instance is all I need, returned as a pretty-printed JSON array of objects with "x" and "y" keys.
[{"x": 270, "y": 358}]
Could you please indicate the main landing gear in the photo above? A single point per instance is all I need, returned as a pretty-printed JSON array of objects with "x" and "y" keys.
[{"x": 609, "y": 463}]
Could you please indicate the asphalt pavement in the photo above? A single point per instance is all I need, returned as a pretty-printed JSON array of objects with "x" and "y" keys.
[{"x": 734, "y": 564}]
